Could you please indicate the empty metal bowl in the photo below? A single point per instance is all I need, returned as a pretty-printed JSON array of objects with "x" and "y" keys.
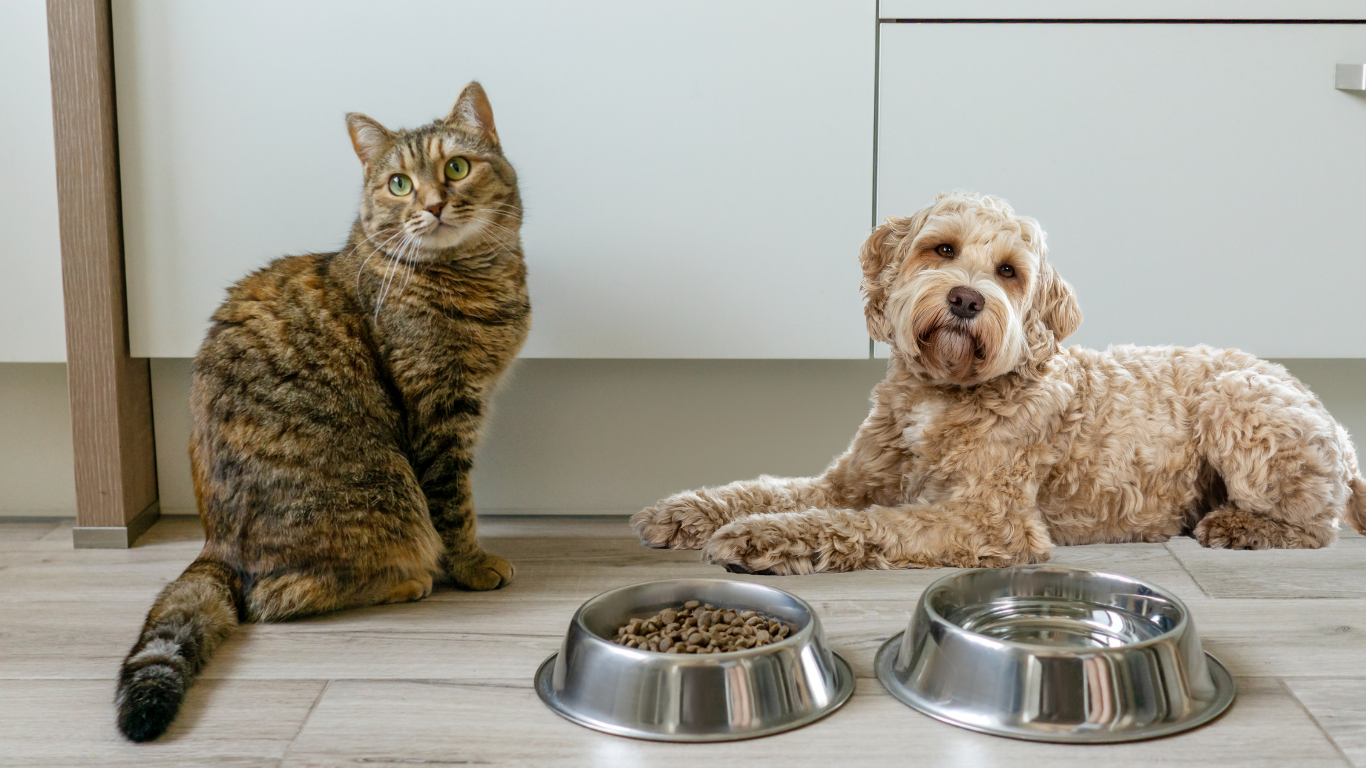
[
  {"x": 1051, "y": 653},
  {"x": 685, "y": 697}
]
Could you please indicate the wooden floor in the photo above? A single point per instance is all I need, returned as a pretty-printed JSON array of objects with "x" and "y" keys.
[{"x": 448, "y": 680}]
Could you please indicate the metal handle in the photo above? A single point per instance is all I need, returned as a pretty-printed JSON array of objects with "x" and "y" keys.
[{"x": 1351, "y": 77}]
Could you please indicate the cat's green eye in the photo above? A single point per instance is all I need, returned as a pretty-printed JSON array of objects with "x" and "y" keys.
[
  {"x": 400, "y": 184},
  {"x": 457, "y": 168}
]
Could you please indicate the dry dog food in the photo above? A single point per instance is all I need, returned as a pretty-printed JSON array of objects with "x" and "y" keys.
[{"x": 698, "y": 628}]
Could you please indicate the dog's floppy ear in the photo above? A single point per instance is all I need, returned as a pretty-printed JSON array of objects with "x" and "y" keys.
[
  {"x": 879, "y": 259},
  {"x": 874, "y": 256},
  {"x": 1058, "y": 303}
]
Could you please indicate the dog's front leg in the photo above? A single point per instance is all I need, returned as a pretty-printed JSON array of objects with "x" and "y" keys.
[
  {"x": 686, "y": 520},
  {"x": 919, "y": 536}
]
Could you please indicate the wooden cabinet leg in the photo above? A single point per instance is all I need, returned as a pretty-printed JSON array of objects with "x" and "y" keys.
[{"x": 111, "y": 396}]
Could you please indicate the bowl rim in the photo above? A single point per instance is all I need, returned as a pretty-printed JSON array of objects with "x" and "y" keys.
[
  {"x": 801, "y": 636},
  {"x": 1181, "y": 626}
]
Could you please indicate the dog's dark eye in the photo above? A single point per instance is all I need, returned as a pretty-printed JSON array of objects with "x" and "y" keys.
[
  {"x": 1006, "y": 270},
  {"x": 945, "y": 250}
]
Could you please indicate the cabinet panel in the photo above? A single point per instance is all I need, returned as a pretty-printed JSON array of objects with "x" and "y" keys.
[
  {"x": 1199, "y": 183},
  {"x": 696, "y": 175},
  {"x": 31, "y": 316},
  {"x": 1122, "y": 9}
]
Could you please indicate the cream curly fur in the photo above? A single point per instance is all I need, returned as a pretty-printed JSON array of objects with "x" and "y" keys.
[{"x": 988, "y": 443}]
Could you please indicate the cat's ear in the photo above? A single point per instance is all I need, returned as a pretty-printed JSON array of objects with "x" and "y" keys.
[
  {"x": 473, "y": 109},
  {"x": 368, "y": 137}
]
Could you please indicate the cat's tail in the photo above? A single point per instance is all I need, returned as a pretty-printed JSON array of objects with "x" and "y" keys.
[{"x": 191, "y": 616}]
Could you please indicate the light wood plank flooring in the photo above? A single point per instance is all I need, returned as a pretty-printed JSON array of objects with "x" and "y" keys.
[{"x": 448, "y": 680}]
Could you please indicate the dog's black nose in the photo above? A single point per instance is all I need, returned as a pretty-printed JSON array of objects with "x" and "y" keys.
[{"x": 965, "y": 302}]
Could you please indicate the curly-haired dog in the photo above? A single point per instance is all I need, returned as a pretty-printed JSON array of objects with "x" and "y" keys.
[{"x": 988, "y": 442}]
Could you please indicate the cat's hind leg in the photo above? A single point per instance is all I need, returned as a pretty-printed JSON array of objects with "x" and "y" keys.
[{"x": 285, "y": 596}]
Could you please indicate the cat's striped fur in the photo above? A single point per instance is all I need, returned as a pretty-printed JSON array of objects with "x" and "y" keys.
[{"x": 337, "y": 400}]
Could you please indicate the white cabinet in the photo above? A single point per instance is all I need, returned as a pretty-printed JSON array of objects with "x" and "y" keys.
[
  {"x": 697, "y": 176},
  {"x": 32, "y": 326},
  {"x": 1120, "y": 10},
  {"x": 1200, "y": 183}
]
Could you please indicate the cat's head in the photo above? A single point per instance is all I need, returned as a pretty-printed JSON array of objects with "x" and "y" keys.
[{"x": 438, "y": 190}]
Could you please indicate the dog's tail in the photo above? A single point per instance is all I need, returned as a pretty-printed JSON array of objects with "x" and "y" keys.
[
  {"x": 191, "y": 616},
  {"x": 1356, "y": 505}
]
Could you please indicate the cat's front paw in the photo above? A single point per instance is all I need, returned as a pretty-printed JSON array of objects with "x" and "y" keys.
[
  {"x": 764, "y": 544},
  {"x": 482, "y": 571},
  {"x": 678, "y": 522}
]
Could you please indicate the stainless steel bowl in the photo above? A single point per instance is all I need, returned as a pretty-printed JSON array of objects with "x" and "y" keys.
[
  {"x": 1051, "y": 653},
  {"x": 685, "y": 697}
]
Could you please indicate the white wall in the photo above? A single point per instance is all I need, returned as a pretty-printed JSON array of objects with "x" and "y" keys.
[
  {"x": 1121, "y": 9},
  {"x": 37, "y": 469},
  {"x": 697, "y": 175},
  {"x": 31, "y": 322},
  {"x": 611, "y": 436}
]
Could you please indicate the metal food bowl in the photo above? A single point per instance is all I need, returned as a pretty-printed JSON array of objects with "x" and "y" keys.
[
  {"x": 1051, "y": 653},
  {"x": 686, "y": 697}
]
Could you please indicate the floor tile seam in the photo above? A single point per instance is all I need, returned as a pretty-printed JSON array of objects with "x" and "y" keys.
[
  {"x": 327, "y": 685},
  {"x": 523, "y": 682},
  {"x": 1285, "y": 686},
  {"x": 1186, "y": 570}
]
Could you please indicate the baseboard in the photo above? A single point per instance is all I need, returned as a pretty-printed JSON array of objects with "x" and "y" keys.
[
  {"x": 36, "y": 515},
  {"x": 116, "y": 537}
]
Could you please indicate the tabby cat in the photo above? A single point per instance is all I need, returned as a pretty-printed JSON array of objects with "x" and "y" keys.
[{"x": 337, "y": 400}]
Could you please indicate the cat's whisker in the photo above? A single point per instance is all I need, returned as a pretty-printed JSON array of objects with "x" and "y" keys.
[
  {"x": 361, "y": 269},
  {"x": 377, "y": 233},
  {"x": 500, "y": 241},
  {"x": 489, "y": 226},
  {"x": 409, "y": 276},
  {"x": 479, "y": 218},
  {"x": 392, "y": 264},
  {"x": 401, "y": 261}
]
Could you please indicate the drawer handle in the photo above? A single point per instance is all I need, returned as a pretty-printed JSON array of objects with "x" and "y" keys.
[{"x": 1351, "y": 77}]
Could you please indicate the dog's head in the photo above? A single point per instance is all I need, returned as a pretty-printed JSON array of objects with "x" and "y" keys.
[{"x": 963, "y": 292}]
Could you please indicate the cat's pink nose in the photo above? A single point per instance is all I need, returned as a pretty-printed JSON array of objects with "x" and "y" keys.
[{"x": 435, "y": 209}]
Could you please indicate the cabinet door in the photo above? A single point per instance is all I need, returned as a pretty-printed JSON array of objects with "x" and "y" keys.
[
  {"x": 1199, "y": 183},
  {"x": 32, "y": 326},
  {"x": 696, "y": 175}
]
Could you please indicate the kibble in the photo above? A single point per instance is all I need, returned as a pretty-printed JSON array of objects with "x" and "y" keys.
[{"x": 697, "y": 627}]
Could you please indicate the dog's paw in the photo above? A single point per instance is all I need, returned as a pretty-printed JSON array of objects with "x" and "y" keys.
[
  {"x": 1232, "y": 528},
  {"x": 482, "y": 571},
  {"x": 678, "y": 522},
  {"x": 762, "y": 545}
]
